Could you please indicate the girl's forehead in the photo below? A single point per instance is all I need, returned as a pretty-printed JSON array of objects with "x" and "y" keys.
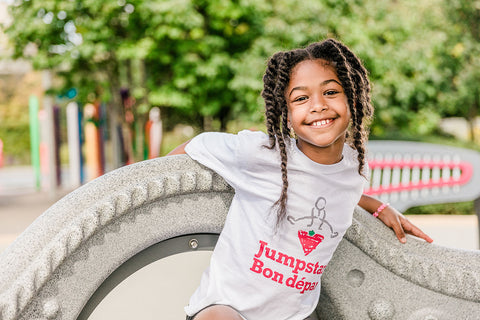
[{"x": 317, "y": 67}]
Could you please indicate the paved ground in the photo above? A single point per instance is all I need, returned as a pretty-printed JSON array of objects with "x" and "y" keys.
[
  {"x": 17, "y": 212},
  {"x": 20, "y": 202}
]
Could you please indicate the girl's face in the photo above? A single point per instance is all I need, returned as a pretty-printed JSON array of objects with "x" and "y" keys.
[{"x": 318, "y": 110}]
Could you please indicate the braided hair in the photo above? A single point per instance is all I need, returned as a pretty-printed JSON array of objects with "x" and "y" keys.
[{"x": 354, "y": 79}]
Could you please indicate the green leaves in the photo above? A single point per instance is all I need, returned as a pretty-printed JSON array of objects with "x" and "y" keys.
[{"x": 207, "y": 57}]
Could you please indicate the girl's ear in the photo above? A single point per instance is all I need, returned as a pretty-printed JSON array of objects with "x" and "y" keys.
[{"x": 292, "y": 131}]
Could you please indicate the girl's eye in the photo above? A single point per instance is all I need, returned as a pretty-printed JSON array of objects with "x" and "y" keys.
[
  {"x": 301, "y": 98},
  {"x": 331, "y": 92}
]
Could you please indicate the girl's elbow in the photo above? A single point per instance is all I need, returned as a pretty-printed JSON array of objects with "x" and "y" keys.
[{"x": 178, "y": 150}]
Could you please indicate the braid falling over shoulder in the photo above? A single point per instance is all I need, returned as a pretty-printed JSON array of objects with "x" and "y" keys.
[
  {"x": 275, "y": 81},
  {"x": 354, "y": 79}
]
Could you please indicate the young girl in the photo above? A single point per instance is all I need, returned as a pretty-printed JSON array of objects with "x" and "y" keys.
[{"x": 295, "y": 188}]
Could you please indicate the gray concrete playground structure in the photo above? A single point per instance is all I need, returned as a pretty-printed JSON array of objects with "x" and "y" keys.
[{"x": 70, "y": 258}]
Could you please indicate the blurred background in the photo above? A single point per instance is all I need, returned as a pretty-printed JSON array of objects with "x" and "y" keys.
[{"x": 87, "y": 86}]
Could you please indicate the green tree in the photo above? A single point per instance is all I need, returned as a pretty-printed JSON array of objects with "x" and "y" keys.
[
  {"x": 197, "y": 45},
  {"x": 389, "y": 36},
  {"x": 174, "y": 54},
  {"x": 170, "y": 53},
  {"x": 460, "y": 58},
  {"x": 203, "y": 60},
  {"x": 79, "y": 41},
  {"x": 398, "y": 41}
]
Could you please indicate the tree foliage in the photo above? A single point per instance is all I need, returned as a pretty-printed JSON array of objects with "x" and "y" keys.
[
  {"x": 203, "y": 60},
  {"x": 461, "y": 60}
]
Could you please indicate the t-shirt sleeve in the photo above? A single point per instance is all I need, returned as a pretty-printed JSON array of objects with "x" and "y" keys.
[
  {"x": 219, "y": 152},
  {"x": 352, "y": 157},
  {"x": 366, "y": 174}
]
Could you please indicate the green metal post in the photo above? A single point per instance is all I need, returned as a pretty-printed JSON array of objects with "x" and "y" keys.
[{"x": 35, "y": 139}]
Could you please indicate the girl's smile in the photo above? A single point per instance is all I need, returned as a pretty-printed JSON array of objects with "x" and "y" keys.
[
  {"x": 321, "y": 123},
  {"x": 318, "y": 111}
]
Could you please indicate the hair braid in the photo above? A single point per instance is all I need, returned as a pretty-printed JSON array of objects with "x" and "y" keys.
[
  {"x": 354, "y": 79},
  {"x": 364, "y": 108},
  {"x": 282, "y": 131},
  {"x": 272, "y": 112}
]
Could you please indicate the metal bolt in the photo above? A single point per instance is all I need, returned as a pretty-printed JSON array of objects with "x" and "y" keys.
[{"x": 193, "y": 243}]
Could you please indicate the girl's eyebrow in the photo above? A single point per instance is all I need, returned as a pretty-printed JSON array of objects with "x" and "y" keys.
[{"x": 321, "y": 85}]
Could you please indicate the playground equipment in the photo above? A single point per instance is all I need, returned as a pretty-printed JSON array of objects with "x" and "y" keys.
[
  {"x": 74, "y": 144},
  {"x": 35, "y": 138},
  {"x": 408, "y": 174},
  {"x": 93, "y": 239},
  {"x": 1, "y": 153},
  {"x": 153, "y": 133},
  {"x": 93, "y": 140}
]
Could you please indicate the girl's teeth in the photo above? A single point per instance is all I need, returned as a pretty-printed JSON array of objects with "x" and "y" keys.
[{"x": 322, "y": 122}]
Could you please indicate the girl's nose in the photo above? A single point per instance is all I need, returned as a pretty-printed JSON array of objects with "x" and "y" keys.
[{"x": 318, "y": 106}]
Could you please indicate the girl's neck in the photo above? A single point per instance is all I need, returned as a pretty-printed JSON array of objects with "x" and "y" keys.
[{"x": 323, "y": 155}]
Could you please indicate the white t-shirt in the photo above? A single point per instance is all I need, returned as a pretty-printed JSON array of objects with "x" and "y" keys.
[{"x": 261, "y": 271}]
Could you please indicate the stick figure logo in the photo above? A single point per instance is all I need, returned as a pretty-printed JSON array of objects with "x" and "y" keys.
[{"x": 318, "y": 213}]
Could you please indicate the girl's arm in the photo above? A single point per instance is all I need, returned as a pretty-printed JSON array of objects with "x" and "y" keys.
[
  {"x": 179, "y": 150},
  {"x": 393, "y": 219}
]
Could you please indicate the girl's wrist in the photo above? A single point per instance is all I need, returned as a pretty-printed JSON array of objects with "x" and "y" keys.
[{"x": 380, "y": 209}]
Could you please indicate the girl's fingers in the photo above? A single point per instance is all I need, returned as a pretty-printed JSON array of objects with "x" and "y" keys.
[
  {"x": 396, "y": 224},
  {"x": 399, "y": 232},
  {"x": 402, "y": 225},
  {"x": 410, "y": 228}
]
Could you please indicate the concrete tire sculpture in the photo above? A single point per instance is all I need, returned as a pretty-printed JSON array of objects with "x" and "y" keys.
[{"x": 64, "y": 263}]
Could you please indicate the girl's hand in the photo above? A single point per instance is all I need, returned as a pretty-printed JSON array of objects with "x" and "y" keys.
[
  {"x": 401, "y": 225},
  {"x": 393, "y": 219}
]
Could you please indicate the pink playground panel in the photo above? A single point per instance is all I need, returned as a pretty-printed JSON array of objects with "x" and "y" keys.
[
  {"x": 408, "y": 174},
  {"x": 420, "y": 175}
]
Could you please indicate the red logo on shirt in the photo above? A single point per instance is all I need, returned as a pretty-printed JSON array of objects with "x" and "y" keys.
[{"x": 309, "y": 240}]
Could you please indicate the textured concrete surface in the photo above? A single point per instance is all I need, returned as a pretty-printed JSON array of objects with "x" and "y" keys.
[
  {"x": 21, "y": 204},
  {"x": 388, "y": 280},
  {"x": 18, "y": 211}
]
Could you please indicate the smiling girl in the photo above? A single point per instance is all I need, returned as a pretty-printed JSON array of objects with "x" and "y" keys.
[{"x": 296, "y": 187}]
